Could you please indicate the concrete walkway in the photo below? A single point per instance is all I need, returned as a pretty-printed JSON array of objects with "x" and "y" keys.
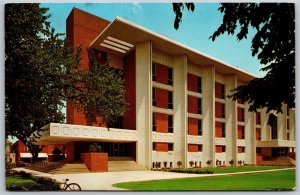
[{"x": 104, "y": 181}]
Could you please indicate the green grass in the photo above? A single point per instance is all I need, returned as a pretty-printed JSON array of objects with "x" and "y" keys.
[
  {"x": 284, "y": 180},
  {"x": 236, "y": 169},
  {"x": 18, "y": 180}
]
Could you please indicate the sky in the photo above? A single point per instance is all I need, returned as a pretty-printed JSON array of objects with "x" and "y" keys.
[{"x": 194, "y": 31}]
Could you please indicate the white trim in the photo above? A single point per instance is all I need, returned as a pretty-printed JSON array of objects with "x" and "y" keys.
[
  {"x": 120, "y": 41},
  {"x": 194, "y": 94},
  {"x": 116, "y": 44},
  {"x": 112, "y": 47}
]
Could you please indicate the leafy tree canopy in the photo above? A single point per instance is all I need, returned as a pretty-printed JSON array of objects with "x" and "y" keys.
[
  {"x": 41, "y": 73},
  {"x": 273, "y": 44}
]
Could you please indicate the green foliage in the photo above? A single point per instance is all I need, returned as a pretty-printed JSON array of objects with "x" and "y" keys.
[
  {"x": 273, "y": 44},
  {"x": 178, "y": 8},
  {"x": 41, "y": 73},
  {"x": 191, "y": 171}
]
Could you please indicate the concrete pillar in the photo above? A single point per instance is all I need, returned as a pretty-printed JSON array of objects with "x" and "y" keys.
[
  {"x": 231, "y": 120},
  {"x": 250, "y": 138},
  {"x": 180, "y": 109},
  {"x": 208, "y": 114},
  {"x": 292, "y": 125},
  {"x": 143, "y": 103},
  {"x": 281, "y": 124}
]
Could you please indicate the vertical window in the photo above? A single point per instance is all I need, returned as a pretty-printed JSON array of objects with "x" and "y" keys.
[
  {"x": 243, "y": 132},
  {"x": 223, "y": 91},
  {"x": 153, "y": 146},
  {"x": 223, "y": 110},
  {"x": 287, "y": 123},
  {"x": 223, "y": 130},
  {"x": 199, "y": 106},
  {"x": 153, "y": 96},
  {"x": 153, "y": 72},
  {"x": 287, "y": 136},
  {"x": 243, "y": 114},
  {"x": 200, "y": 148},
  {"x": 287, "y": 111},
  {"x": 153, "y": 121},
  {"x": 199, "y": 87},
  {"x": 199, "y": 127},
  {"x": 258, "y": 122},
  {"x": 170, "y": 100},
  {"x": 170, "y": 123},
  {"x": 223, "y": 148},
  {"x": 170, "y": 147},
  {"x": 170, "y": 76}
]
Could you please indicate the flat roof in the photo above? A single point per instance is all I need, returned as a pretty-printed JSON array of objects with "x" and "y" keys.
[{"x": 126, "y": 34}]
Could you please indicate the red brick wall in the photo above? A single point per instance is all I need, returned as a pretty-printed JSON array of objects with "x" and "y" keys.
[
  {"x": 192, "y": 83},
  {"x": 82, "y": 29},
  {"x": 96, "y": 162},
  {"x": 192, "y": 104},
  {"x": 218, "y": 149},
  {"x": 161, "y": 147},
  {"x": 218, "y": 109},
  {"x": 257, "y": 133},
  {"x": 192, "y": 147},
  {"x": 161, "y": 74},
  {"x": 130, "y": 93},
  {"x": 240, "y": 114},
  {"x": 259, "y": 159},
  {"x": 161, "y": 122},
  {"x": 70, "y": 152},
  {"x": 192, "y": 126},
  {"x": 218, "y": 90},
  {"x": 240, "y": 130},
  {"x": 161, "y": 98},
  {"x": 218, "y": 127}
]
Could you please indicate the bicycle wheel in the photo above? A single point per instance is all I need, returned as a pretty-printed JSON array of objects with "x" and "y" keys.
[{"x": 73, "y": 187}]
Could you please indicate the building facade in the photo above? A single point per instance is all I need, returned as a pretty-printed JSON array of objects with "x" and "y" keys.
[{"x": 177, "y": 109}]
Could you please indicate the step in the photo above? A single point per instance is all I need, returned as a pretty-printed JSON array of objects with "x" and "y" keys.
[
  {"x": 124, "y": 166},
  {"x": 72, "y": 168}
]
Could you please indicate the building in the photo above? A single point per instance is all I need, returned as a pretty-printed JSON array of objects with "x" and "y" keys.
[
  {"x": 177, "y": 110},
  {"x": 9, "y": 156}
]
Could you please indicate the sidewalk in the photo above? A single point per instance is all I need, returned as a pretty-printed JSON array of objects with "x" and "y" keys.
[{"x": 104, "y": 181}]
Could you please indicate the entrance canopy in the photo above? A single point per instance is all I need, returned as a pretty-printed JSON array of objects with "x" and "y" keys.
[{"x": 55, "y": 133}]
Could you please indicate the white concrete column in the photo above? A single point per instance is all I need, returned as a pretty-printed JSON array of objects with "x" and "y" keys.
[
  {"x": 292, "y": 125},
  {"x": 281, "y": 124},
  {"x": 231, "y": 120},
  {"x": 208, "y": 114},
  {"x": 265, "y": 128},
  {"x": 143, "y": 103},
  {"x": 250, "y": 137},
  {"x": 180, "y": 109}
]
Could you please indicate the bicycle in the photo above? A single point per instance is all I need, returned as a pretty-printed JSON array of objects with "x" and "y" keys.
[{"x": 70, "y": 186}]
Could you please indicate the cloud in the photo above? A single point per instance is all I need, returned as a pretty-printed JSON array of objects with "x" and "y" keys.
[{"x": 136, "y": 8}]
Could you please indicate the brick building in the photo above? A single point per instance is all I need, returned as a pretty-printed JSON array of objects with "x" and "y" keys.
[{"x": 177, "y": 107}]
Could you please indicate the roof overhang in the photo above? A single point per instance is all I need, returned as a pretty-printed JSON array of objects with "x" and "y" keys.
[{"x": 120, "y": 37}]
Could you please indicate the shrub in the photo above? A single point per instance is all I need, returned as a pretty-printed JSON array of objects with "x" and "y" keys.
[
  {"x": 231, "y": 162},
  {"x": 208, "y": 162},
  {"x": 191, "y": 171},
  {"x": 191, "y": 163},
  {"x": 179, "y": 164}
]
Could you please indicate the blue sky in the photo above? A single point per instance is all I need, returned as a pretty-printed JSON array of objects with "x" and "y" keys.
[{"x": 194, "y": 31}]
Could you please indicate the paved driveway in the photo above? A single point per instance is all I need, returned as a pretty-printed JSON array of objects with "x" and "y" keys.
[{"x": 104, "y": 181}]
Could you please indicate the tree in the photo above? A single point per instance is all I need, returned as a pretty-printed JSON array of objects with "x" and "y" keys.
[
  {"x": 274, "y": 46},
  {"x": 41, "y": 73}
]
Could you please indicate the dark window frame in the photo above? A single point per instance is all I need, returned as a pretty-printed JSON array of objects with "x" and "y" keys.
[
  {"x": 200, "y": 129},
  {"x": 153, "y": 71},
  {"x": 223, "y": 91},
  {"x": 170, "y": 121},
  {"x": 153, "y": 146},
  {"x": 200, "y": 147},
  {"x": 154, "y": 122},
  {"x": 223, "y": 149},
  {"x": 223, "y": 114},
  {"x": 170, "y": 100},
  {"x": 170, "y": 147},
  {"x": 223, "y": 130},
  {"x": 170, "y": 76},
  {"x": 153, "y": 96},
  {"x": 199, "y": 102},
  {"x": 243, "y": 132},
  {"x": 199, "y": 86}
]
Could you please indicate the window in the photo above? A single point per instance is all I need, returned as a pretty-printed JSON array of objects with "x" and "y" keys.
[
  {"x": 200, "y": 148},
  {"x": 223, "y": 110},
  {"x": 241, "y": 149},
  {"x": 170, "y": 76},
  {"x": 199, "y": 85},
  {"x": 223, "y": 148},
  {"x": 153, "y": 121},
  {"x": 223, "y": 130},
  {"x": 153, "y": 72},
  {"x": 153, "y": 97},
  {"x": 287, "y": 136},
  {"x": 258, "y": 150},
  {"x": 170, "y": 100},
  {"x": 199, "y": 127},
  {"x": 153, "y": 146},
  {"x": 199, "y": 106},
  {"x": 243, "y": 132},
  {"x": 170, "y": 147},
  {"x": 170, "y": 124},
  {"x": 258, "y": 122},
  {"x": 287, "y": 111},
  {"x": 223, "y": 91},
  {"x": 287, "y": 123},
  {"x": 243, "y": 115}
]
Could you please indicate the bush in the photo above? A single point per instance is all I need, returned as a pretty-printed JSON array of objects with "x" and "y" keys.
[
  {"x": 191, "y": 171},
  {"x": 42, "y": 184}
]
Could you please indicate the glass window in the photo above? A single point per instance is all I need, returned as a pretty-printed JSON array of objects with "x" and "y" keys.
[
  {"x": 199, "y": 85},
  {"x": 153, "y": 72},
  {"x": 170, "y": 124},
  {"x": 223, "y": 110},
  {"x": 153, "y": 97},
  {"x": 223, "y": 91},
  {"x": 170, "y": 100},
  {"x": 170, "y": 76},
  {"x": 200, "y": 127},
  {"x": 200, "y": 148},
  {"x": 223, "y": 130},
  {"x": 223, "y": 148},
  {"x": 153, "y": 121},
  {"x": 153, "y": 146},
  {"x": 199, "y": 106},
  {"x": 170, "y": 147}
]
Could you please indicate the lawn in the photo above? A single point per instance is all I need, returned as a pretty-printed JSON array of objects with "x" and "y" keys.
[
  {"x": 18, "y": 180},
  {"x": 234, "y": 169},
  {"x": 284, "y": 180}
]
